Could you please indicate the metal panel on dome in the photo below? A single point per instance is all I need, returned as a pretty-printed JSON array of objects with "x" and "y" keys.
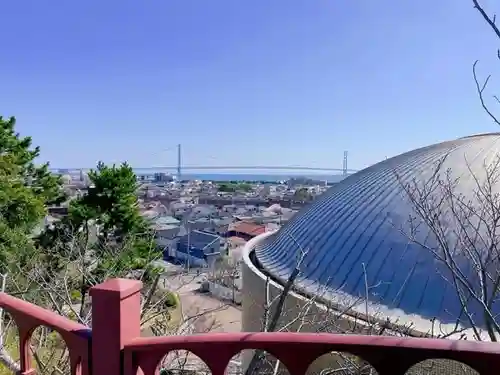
[{"x": 349, "y": 233}]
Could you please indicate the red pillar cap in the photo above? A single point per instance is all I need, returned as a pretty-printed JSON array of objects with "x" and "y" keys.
[{"x": 123, "y": 287}]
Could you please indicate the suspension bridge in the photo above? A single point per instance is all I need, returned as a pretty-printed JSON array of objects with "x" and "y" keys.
[
  {"x": 179, "y": 168},
  {"x": 249, "y": 167}
]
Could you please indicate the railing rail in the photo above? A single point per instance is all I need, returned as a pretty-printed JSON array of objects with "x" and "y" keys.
[
  {"x": 114, "y": 347},
  {"x": 17, "y": 307},
  {"x": 297, "y": 351},
  {"x": 28, "y": 317}
]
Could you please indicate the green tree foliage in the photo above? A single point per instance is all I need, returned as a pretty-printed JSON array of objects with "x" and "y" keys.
[
  {"x": 106, "y": 217},
  {"x": 303, "y": 195},
  {"x": 104, "y": 231},
  {"x": 25, "y": 191},
  {"x": 111, "y": 201},
  {"x": 226, "y": 188},
  {"x": 103, "y": 236},
  {"x": 231, "y": 187}
]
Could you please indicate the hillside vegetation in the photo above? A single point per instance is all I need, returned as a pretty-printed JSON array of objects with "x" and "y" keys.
[{"x": 103, "y": 236}]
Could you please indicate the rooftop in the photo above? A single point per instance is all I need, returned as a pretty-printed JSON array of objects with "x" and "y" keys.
[
  {"x": 236, "y": 240},
  {"x": 198, "y": 239},
  {"x": 159, "y": 227},
  {"x": 361, "y": 242},
  {"x": 248, "y": 228},
  {"x": 167, "y": 220}
]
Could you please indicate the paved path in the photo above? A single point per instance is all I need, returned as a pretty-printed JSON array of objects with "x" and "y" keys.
[
  {"x": 201, "y": 313},
  {"x": 206, "y": 312}
]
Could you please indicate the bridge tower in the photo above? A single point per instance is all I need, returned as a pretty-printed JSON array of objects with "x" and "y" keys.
[
  {"x": 179, "y": 161},
  {"x": 344, "y": 166}
]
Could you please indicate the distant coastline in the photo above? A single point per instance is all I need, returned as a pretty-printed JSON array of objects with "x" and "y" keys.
[
  {"x": 225, "y": 177},
  {"x": 256, "y": 177}
]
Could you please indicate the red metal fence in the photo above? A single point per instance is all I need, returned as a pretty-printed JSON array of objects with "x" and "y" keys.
[{"x": 114, "y": 345}]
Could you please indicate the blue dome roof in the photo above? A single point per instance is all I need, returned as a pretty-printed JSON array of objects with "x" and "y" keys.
[{"x": 349, "y": 233}]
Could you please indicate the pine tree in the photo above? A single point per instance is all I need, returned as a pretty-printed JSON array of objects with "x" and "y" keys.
[{"x": 25, "y": 191}]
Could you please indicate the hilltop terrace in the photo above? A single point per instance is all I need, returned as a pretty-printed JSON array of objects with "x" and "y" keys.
[{"x": 113, "y": 346}]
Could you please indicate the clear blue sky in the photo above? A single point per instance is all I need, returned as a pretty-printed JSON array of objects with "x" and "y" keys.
[{"x": 241, "y": 82}]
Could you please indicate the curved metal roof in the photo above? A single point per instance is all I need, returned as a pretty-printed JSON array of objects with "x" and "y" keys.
[{"x": 349, "y": 234}]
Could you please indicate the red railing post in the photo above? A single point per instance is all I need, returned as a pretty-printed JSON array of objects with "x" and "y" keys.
[{"x": 116, "y": 319}]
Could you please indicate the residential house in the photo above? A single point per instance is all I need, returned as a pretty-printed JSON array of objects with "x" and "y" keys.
[
  {"x": 166, "y": 229},
  {"x": 245, "y": 230},
  {"x": 220, "y": 225},
  {"x": 202, "y": 211},
  {"x": 198, "y": 248},
  {"x": 202, "y": 223},
  {"x": 234, "y": 242}
]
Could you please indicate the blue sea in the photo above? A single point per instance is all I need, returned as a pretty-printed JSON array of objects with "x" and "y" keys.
[{"x": 262, "y": 176}]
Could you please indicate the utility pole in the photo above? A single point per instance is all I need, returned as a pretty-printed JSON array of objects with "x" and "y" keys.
[
  {"x": 344, "y": 167},
  {"x": 179, "y": 161}
]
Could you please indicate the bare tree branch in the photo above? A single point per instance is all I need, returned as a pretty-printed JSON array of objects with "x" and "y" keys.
[
  {"x": 467, "y": 237},
  {"x": 480, "y": 91},
  {"x": 491, "y": 21}
]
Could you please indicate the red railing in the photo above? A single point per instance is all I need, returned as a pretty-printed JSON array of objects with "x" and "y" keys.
[
  {"x": 297, "y": 351},
  {"x": 28, "y": 317},
  {"x": 115, "y": 346}
]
